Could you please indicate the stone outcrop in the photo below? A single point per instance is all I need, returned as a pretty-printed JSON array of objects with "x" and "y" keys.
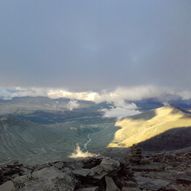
[{"x": 163, "y": 172}]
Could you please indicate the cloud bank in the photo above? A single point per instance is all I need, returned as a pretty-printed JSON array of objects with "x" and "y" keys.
[
  {"x": 122, "y": 98},
  {"x": 117, "y": 95}
]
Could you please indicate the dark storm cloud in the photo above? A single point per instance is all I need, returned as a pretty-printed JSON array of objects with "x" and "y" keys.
[{"x": 95, "y": 44}]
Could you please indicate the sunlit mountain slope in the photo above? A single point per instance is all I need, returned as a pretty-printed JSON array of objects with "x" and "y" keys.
[{"x": 137, "y": 130}]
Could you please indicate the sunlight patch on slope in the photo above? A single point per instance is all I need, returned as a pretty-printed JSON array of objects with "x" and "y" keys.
[{"x": 135, "y": 131}]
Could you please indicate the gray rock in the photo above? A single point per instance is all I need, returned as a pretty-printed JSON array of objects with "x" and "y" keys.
[
  {"x": 110, "y": 184},
  {"x": 19, "y": 181},
  {"x": 97, "y": 172},
  {"x": 41, "y": 166},
  {"x": 89, "y": 189},
  {"x": 59, "y": 165},
  {"x": 151, "y": 184},
  {"x": 49, "y": 179},
  {"x": 172, "y": 188},
  {"x": 184, "y": 180},
  {"x": 184, "y": 177},
  {"x": 148, "y": 168},
  {"x": 7, "y": 186},
  {"x": 106, "y": 167},
  {"x": 188, "y": 172},
  {"x": 82, "y": 172},
  {"x": 109, "y": 165},
  {"x": 130, "y": 189},
  {"x": 130, "y": 184}
]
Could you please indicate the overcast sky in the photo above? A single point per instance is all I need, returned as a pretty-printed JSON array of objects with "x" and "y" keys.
[{"x": 95, "y": 44}]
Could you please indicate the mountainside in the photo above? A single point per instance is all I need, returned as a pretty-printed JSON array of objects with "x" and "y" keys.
[
  {"x": 169, "y": 122},
  {"x": 41, "y": 129},
  {"x": 30, "y": 104},
  {"x": 49, "y": 136}
]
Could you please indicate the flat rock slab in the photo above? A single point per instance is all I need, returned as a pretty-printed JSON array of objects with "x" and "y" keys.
[
  {"x": 82, "y": 172},
  {"x": 110, "y": 184}
]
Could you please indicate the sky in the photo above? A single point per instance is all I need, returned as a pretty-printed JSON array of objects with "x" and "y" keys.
[{"x": 95, "y": 44}]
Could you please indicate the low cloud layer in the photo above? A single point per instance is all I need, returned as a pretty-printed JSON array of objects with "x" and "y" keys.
[
  {"x": 120, "y": 110},
  {"x": 73, "y": 104},
  {"x": 114, "y": 96}
]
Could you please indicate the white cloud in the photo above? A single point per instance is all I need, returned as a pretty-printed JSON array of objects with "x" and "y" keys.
[
  {"x": 114, "y": 96},
  {"x": 120, "y": 110},
  {"x": 58, "y": 93},
  {"x": 130, "y": 93},
  {"x": 73, "y": 104}
]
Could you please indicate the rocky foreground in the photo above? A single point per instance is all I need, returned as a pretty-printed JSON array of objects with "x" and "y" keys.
[{"x": 153, "y": 172}]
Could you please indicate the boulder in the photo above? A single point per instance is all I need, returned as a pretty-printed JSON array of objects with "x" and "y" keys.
[
  {"x": 110, "y": 184},
  {"x": 109, "y": 165},
  {"x": 98, "y": 173},
  {"x": 19, "y": 181},
  {"x": 59, "y": 165},
  {"x": 106, "y": 167},
  {"x": 7, "y": 186}
]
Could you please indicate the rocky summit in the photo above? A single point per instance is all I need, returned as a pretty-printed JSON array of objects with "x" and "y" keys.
[{"x": 136, "y": 171}]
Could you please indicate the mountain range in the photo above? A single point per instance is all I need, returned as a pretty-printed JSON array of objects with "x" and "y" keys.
[{"x": 40, "y": 129}]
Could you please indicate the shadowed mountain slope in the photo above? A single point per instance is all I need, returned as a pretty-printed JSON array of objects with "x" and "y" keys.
[{"x": 173, "y": 139}]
